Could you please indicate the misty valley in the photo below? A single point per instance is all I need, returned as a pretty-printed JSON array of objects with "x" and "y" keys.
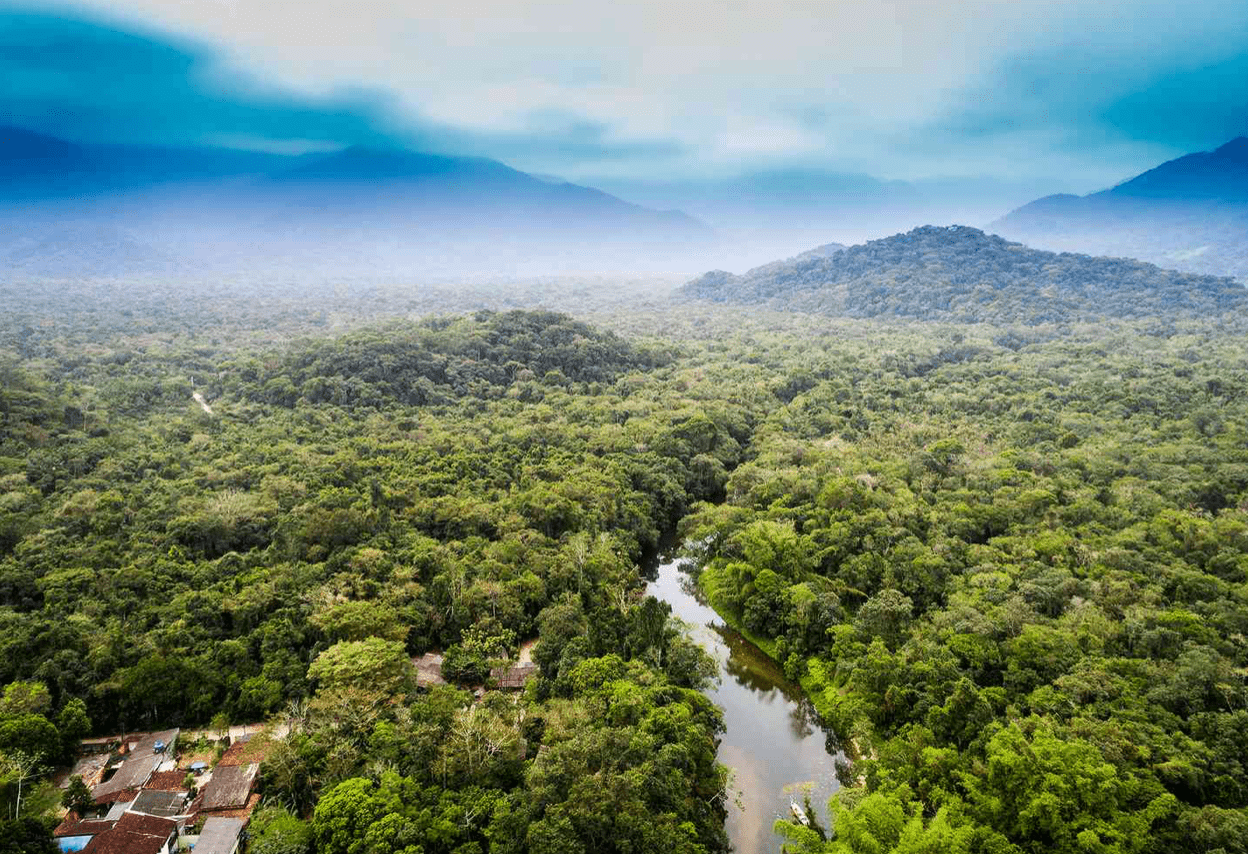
[
  {"x": 812, "y": 444},
  {"x": 993, "y": 573}
]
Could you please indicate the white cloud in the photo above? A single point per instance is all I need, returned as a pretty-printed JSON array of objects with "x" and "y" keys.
[{"x": 731, "y": 84}]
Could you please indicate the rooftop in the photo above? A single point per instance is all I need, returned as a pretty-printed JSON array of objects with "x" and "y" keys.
[
  {"x": 164, "y": 804},
  {"x": 515, "y": 677},
  {"x": 229, "y": 787},
  {"x": 429, "y": 669},
  {"x": 219, "y": 836},
  {"x": 133, "y": 834},
  {"x": 247, "y": 749},
  {"x": 166, "y": 781},
  {"x": 137, "y": 766},
  {"x": 73, "y": 826}
]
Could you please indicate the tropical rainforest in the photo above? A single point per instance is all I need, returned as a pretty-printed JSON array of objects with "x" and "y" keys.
[
  {"x": 961, "y": 274},
  {"x": 1007, "y": 560}
]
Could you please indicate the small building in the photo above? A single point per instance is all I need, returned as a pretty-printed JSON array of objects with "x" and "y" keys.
[
  {"x": 74, "y": 834},
  {"x": 219, "y": 836},
  {"x": 513, "y": 678},
  {"x": 229, "y": 787},
  {"x": 157, "y": 803},
  {"x": 118, "y": 810},
  {"x": 246, "y": 749},
  {"x": 136, "y": 767},
  {"x": 135, "y": 833},
  {"x": 89, "y": 767},
  {"x": 166, "y": 781},
  {"x": 429, "y": 669}
]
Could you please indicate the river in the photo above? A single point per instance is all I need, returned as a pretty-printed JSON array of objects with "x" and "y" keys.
[{"x": 773, "y": 744}]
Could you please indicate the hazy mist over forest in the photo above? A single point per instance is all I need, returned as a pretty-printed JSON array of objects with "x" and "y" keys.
[
  {"x": 572, "y": 427},
  {"x": 219, "y": 141}
]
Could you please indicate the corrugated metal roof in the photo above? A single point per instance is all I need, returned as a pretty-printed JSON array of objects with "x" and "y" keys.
[
  {"x": 219, "y": 836},
  {"x": 138, "y": 765},
  {"x": 229, "y": 787},
  {"x": 164, "y": 804},
  {"x": 118, "y": 810},
  {"x": 513, "y": 677}
]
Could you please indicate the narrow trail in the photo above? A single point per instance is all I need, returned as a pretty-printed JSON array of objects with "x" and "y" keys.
[{"x": 199, "y": 398}]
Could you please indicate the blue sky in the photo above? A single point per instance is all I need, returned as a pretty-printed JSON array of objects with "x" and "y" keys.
[{"x": 1084, "y": 93}]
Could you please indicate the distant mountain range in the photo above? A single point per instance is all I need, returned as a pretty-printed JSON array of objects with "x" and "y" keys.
[
  {"x": 962, "y": 274},
  {"x": 788, "y": 208},
  {"x": 82, "y": 210},
  {"x": 34, "y": 166},
  {"x": 64, "y": 207},
  {"x": 1190, "y": 213}
]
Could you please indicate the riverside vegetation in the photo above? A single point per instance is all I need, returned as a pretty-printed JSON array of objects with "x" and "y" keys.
[{"x": 1010, "y": 567}]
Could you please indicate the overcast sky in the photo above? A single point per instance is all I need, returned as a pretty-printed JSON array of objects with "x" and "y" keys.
[{"x": 1088, "y": 91}]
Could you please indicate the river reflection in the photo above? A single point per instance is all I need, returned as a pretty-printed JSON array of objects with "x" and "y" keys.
[{"x": 773, "y": 742}]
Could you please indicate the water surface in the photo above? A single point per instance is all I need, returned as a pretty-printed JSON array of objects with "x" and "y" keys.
[{"x": 774, "y": 743}]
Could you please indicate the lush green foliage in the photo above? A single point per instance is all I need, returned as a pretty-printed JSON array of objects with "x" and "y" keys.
[
  {"x": 439, "y": 360},
  {"x": 1010, "y": 567},
  {"x": 1018, "y": 582},
  {"x": 289, "y": 553},
  {"x": 961, "y": 274}
]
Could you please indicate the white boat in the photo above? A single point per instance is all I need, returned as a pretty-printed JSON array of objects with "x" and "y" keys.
[{"x": 799, "y": 813}]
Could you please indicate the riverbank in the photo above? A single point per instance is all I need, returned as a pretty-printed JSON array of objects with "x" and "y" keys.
[
  {"x": 773, "y": 740},
  {"x": 851, "y": 737}
]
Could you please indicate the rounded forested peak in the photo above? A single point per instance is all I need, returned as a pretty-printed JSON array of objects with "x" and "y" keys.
[
  {"x": 440, "y": 359},
  {"x": 962, "y": 274}
]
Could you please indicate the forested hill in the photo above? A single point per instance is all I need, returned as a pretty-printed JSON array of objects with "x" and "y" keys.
[
  {"x": 961, "y": 274},
  {"x": 437, "y": 360}
]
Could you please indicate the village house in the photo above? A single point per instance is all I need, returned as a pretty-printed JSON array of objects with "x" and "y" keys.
[
  {"x": 143, "y": 757},
  {"x": 147, "y": 808},
  {"x": 219, "y": 836},
  {"x": 132, "y": 833},
  {"x": 513, "y": 678},
  {"x": 229, "y": 788},
  {"x": 158, "y": 803}
]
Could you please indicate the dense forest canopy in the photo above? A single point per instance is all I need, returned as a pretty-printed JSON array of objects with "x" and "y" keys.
[
  {"x": 1009, "y": 565},
  {"x": 436, "y": 361},
  {"x": 1018, "y": 583},
  {"x": 961, "y": 274}
]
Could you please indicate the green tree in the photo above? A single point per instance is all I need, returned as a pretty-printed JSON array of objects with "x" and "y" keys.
[
  {"x": 31, "y": 734},
  {"x": 885, "y": 615},
  {"x": 275, "y": 830},
  {"x": 26, "y": 836},
  {"x": 374, "y": 663},
  {"x": 73, "y": 723},
  {"x": 25, "y": 698},
  {"x": 1056, "y": 793},
  {"x": 77, "y": 796}
]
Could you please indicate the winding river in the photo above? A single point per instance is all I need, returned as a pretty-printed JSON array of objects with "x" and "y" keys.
[{"x": 773, "y": 744}]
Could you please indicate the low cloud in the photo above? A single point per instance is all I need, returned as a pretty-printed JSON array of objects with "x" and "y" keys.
[{"x": 1087, "y": 91}]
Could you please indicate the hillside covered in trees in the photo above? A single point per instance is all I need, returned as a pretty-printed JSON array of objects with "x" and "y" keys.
[
  {"x": 436, "y": 361},
  {"x": 1010, "y": 570},
  {"x": 1016, "y": 584},
  {"x": 160, "y": 565},
  {"x": 963, "y": 275}
]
